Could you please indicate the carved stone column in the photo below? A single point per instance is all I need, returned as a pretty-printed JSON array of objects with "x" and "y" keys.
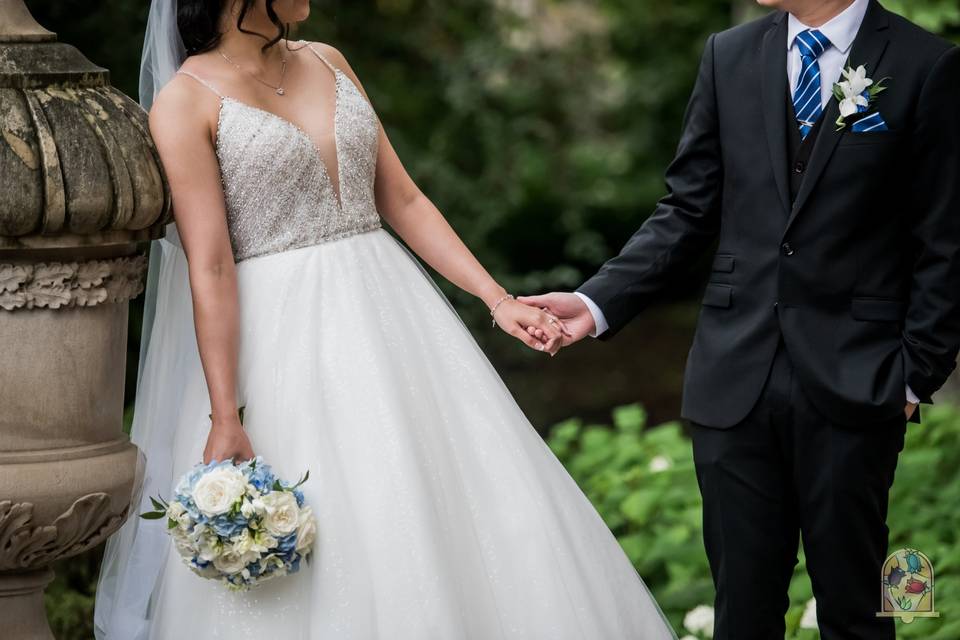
[{"x": 81, "y": 190}]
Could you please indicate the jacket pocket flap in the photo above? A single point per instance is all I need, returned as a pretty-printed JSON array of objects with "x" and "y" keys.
[
  {"x": 884, "y": 310},
  {"x": 718, "y": 295},
  {"x": 723, "y": 263}
]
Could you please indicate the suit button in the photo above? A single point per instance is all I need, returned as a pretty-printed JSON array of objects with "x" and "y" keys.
[
  {"x": 800, "y": 166},
  {"x": 787, "y": 249},
  {"x": 775, "y": 305}
]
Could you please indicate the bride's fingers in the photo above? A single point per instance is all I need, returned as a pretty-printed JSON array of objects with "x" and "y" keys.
[
  {"x": 551, "y": 335},
  {"x": 521, "y": 334},
  {"x": 553, "y": 345},
  {"x": 556, "y": 321}
]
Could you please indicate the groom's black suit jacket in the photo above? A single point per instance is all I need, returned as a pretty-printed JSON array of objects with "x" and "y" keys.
[{"x": 859, "y": 272}]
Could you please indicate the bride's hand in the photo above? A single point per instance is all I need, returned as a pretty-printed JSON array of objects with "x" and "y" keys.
[
  {"x": 536, "y": 328},
  {"x": 227, "y": 441}
]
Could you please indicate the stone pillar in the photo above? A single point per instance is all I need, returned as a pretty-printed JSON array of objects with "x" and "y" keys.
[{"x": 81, "y": 191}]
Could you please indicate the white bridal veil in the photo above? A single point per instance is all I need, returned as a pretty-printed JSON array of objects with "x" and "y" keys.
[{"x": 134, "y": 556}]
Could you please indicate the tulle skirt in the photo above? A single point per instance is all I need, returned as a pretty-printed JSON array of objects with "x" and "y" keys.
[{"x": 442, "y": 514}]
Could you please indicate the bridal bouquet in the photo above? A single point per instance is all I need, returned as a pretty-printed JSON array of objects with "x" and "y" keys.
[{"x": 238, "y": 524}]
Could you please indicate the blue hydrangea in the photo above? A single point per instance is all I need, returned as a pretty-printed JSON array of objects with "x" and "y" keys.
[
  {"x": 262, "y": 477},
  {"x": 227, "y": 526}
]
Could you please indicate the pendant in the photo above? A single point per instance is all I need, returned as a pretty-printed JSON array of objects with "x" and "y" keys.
[{"x": 279, "y": 91}]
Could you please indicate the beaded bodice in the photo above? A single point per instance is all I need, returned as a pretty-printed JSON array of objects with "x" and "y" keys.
[{"x": 278, "y": 191}]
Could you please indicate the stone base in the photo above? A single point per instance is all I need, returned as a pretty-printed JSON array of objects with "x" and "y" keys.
[{"x": 21, "y": 605}]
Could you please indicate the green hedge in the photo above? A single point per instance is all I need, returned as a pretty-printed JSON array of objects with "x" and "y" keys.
[{"x": 643, "y": 483}]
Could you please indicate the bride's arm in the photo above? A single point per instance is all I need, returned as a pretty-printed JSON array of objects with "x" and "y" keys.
[
  {"x": 184, "y": 139},
  {"x": 430, "y": 236}
]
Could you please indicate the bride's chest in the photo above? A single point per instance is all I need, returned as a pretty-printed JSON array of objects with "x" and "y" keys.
[{"x": 282, "y": 189}]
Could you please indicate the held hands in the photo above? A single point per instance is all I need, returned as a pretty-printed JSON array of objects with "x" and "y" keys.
[
  {"x": 546, "y": 322},
  {"x": 534, "y": 327},
  {"x": 572, "y": 312},
  {"x": 227, "y": 441}
]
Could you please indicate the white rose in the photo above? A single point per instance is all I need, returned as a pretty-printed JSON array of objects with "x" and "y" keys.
[
  {"x": 233, "y": 562},
  {"x": 700, "y": 620},
  {"x": 218, "y": 490},
  {"x": 281, "y": 513},
  {"x": 306, "y": 529}
]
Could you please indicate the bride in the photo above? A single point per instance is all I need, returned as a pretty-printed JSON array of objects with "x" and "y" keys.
[{"x": 442, "y": 514}]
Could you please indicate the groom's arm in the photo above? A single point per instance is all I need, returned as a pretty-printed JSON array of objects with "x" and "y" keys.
[
  {"x": 684, "y": 222},
  {"x": 931, "y": 334}
]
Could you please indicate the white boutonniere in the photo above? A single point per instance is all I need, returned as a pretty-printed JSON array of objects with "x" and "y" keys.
[{"x": 856, "y": 93}]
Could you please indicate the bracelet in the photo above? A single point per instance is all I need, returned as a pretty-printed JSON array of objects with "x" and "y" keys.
[
  {"x": 239, "y": 414},
  {"x": 496, "y": 306}
]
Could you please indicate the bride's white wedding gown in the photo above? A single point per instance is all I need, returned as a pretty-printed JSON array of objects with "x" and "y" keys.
[{"x": 442, "y": 514}]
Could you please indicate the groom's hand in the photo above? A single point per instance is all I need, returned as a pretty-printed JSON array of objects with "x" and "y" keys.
[{"x": 570, "y": 309}]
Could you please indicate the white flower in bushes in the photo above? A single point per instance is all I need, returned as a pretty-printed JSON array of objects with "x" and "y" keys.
[
  {"x": 281, "y": 513},
  {"x": 306, "y": 529},
  {"x": 659, "y": 464},
  {"x": 809, "y": 618},
  {"x": 216, "y": 492},
  {"x": 700, "y": 620}
]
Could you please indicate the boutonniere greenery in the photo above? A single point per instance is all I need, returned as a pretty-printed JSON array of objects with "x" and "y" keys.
[{"x": 856, "y": 93}]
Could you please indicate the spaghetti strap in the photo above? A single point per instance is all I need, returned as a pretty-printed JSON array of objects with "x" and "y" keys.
[
  {"x": 321, "y": 56},
  {"x": 201, "y": 81}
]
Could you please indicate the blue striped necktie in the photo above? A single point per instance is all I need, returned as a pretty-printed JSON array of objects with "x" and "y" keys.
[{"x": 807, "y": 100}]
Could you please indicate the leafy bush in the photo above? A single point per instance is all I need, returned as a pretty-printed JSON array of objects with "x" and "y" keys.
[{"x": 642, "y": 482}]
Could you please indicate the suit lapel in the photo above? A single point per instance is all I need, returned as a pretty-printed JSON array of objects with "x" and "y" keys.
[
  {"x": 867, "y": 49},
  {"x": 774, "y": 87}
]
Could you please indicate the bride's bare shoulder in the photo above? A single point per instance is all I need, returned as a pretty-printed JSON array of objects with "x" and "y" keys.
[
  {"x": 182, "y": 105},
  {"x": 334, "y": 57}
]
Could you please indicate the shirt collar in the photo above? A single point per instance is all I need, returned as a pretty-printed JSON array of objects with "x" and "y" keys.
[{"x": 840, "y": 30}]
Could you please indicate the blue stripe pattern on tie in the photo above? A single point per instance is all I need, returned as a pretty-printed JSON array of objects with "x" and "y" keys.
[{"x": 807, "y": 99}]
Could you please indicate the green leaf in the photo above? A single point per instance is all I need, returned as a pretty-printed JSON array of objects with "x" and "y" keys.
[
  {"x": 157, "y": 504},
  {"x": 303, "y": 479},
  {"x": 153, "y": 515}
]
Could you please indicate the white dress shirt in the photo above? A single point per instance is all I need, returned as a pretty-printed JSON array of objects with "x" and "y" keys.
[{"x": 841, "y": 30}]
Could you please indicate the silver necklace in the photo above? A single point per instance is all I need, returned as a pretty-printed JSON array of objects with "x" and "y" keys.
[{"x": 278, "y": 88}]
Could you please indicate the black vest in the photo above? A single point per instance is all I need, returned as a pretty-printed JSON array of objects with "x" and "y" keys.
[{"x": 799, "y": 150}]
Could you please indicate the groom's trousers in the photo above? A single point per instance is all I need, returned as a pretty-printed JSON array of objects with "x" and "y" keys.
[{"x": 784, "y": 472}]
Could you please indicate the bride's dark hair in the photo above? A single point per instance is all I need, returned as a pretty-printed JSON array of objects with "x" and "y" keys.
[{"x": 197, "y": 21}]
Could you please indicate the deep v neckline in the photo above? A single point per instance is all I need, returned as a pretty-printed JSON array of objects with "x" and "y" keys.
[{"x": 335, "y": 187}]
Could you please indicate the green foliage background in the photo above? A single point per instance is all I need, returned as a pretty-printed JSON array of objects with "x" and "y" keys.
[
  {"x": 656, "y": 514},
  {"x": 542, "y": 128}
]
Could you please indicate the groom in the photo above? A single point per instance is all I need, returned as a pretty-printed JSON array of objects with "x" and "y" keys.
[{"x": 833, "y": 305}]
